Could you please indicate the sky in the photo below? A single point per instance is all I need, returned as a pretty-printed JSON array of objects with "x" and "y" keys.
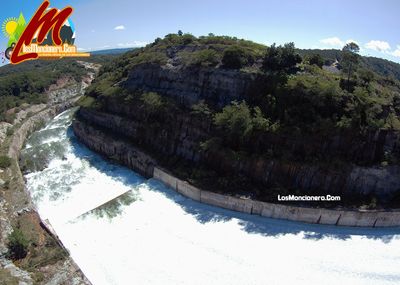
[{"x": 105, "y": 24}]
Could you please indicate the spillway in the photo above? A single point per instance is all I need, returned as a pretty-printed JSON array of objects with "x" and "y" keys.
[{"x": 123, "y": 229}]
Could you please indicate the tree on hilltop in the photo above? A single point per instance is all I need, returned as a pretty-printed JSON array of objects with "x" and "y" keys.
[{"x": 350, "y": 59}]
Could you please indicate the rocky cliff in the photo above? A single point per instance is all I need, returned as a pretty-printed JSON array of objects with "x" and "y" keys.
[
  {"x": 52, "y": 265},
  {"x": 181, "y": 138},
  {"x": 164, "y": 100},
  {"x": 189, "y": 85},
  {"x": 118, "y": 150}
]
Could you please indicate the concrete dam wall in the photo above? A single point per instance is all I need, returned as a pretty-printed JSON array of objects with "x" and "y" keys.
[{"x": 277, "y": 211}]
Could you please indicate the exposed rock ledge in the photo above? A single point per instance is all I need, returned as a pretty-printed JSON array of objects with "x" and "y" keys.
[
  {"x": 19, "y": 202},
  {"x": 132, "y": 157},
  {"x": 67, "y": 272}
]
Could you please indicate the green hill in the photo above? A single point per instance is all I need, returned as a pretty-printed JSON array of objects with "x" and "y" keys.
[
  {"x": 380, "y": 66},
  {"x": 27, "y": 82},
  {"x": 235, "y": 116}
]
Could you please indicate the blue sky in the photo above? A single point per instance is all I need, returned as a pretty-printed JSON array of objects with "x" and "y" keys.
[{"x": 103, "y": 24}]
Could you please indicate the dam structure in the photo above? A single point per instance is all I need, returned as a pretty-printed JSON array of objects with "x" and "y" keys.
[{"x": 122, "y": 228}]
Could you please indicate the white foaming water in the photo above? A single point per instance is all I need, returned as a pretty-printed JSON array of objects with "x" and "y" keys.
[{"x": 152, "y": 235}]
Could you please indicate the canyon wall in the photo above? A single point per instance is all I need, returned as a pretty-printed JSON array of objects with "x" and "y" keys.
[
  {"x": 181, "y": 137},
  {"x": 188, "y": 85},
  {"x": 118, "y": 150},
  {"x": 16, "y": 205},
  {"x": 124, "y": 152},
  {"x": 31, "y": 124}
]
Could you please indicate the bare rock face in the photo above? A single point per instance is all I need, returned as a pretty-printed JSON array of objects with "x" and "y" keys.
[
  {"x": 3, "y": 130},
  {"x": 381, "y": 180},
  {"x": 119, "y": 150},
  {"x": 31, "y": 124},
  {"x": 180, "y": 135},
  {"x": 189, "y": 85},
  {"x": 16, "y": 205},
  {"x": 63, "y": 94},
  {"x": 104, "y": 132}
]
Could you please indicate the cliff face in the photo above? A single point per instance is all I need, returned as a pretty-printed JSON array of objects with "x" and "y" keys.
[
  {"x": 16, "y": 207},
  {"x": 182, "y": 137},
  {"x": 119, "y": 150},
  {"x": 316, "y": 151},
  {"x": 189, "y": 85}
]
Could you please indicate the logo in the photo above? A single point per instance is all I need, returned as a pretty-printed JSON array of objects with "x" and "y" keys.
[{"x": 49, "y": 34}]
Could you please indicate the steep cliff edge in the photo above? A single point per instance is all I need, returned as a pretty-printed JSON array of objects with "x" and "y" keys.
[
  {"x": 188, "y": 85},
  {"x": 243, "y": 126},
  {"x": 181, "y": 139},
  {"x": 46, "y": 261}
]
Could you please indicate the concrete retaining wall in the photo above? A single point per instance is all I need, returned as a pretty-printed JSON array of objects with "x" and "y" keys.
[
  {"x": 278, "y": 211},
  {"x": 137, "y": 160}
]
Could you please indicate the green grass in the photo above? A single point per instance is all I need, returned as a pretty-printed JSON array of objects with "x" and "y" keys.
[{"x": 86, "y": 101}]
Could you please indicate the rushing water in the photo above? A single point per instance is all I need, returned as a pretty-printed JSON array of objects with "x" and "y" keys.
[{"x": 123, "y": 229}]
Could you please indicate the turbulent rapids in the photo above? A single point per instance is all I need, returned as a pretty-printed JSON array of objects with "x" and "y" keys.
[{"x": 123, "y": 229}]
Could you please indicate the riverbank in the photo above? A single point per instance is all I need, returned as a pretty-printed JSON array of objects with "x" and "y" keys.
[
  {"x": 47, "y": 262},
  {"x": 132, "y": 157},
  {"x": 122, "y": 228}
]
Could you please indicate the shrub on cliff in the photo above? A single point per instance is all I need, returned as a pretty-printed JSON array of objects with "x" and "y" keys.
[
  {"x": 90, "y": 102},
  {"x": 152, "y": 102},
  {"x": 316, "y": 59},
  {"x": 366, "y": 76},
  {"x": 86, "y": 101},
  {"x": 234, "y": 57},
  {"x": 237, "y": 122},
  {"x": 281, "y": 59},
  {"x": 10, "y": 131},
  {"x": 179, "y": 39},
  {"x": 205, "y": 57},
  {"x": 201, "y": 109},
  {"x": 234, "y": 120},
  {"x": 17, "y": 244},
  {"x": 5, "y": 161},
  {"x": 154, "y": 57}
]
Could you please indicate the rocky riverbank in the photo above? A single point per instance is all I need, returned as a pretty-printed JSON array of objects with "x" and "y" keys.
[{"x": 46, "y": 262}]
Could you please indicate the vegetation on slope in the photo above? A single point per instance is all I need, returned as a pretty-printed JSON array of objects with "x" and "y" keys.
[
  {"x": 293, "y": 98},
  {"x": 30, "y": 246},
  {"x": 17, "y": 244},
  {"x": 295, "y": 93},
  {"x": 27, "y": 82},
  {"x": 380, "y": 66}
]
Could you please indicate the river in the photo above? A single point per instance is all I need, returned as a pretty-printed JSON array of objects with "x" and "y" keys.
[{"x": 121, "y": 228}]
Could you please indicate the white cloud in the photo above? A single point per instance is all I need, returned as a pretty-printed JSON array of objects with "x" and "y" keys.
[
  {"x": 352, "y": 41},
  {"x": 120, "y": 28},
  {"x": 334, "y": 41},
  {"x": 396, "y": 53},
  {"x": 132, "y": 44},
  {"x": 381, "y": 46},
  {"x": 337, "y": 42}
]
